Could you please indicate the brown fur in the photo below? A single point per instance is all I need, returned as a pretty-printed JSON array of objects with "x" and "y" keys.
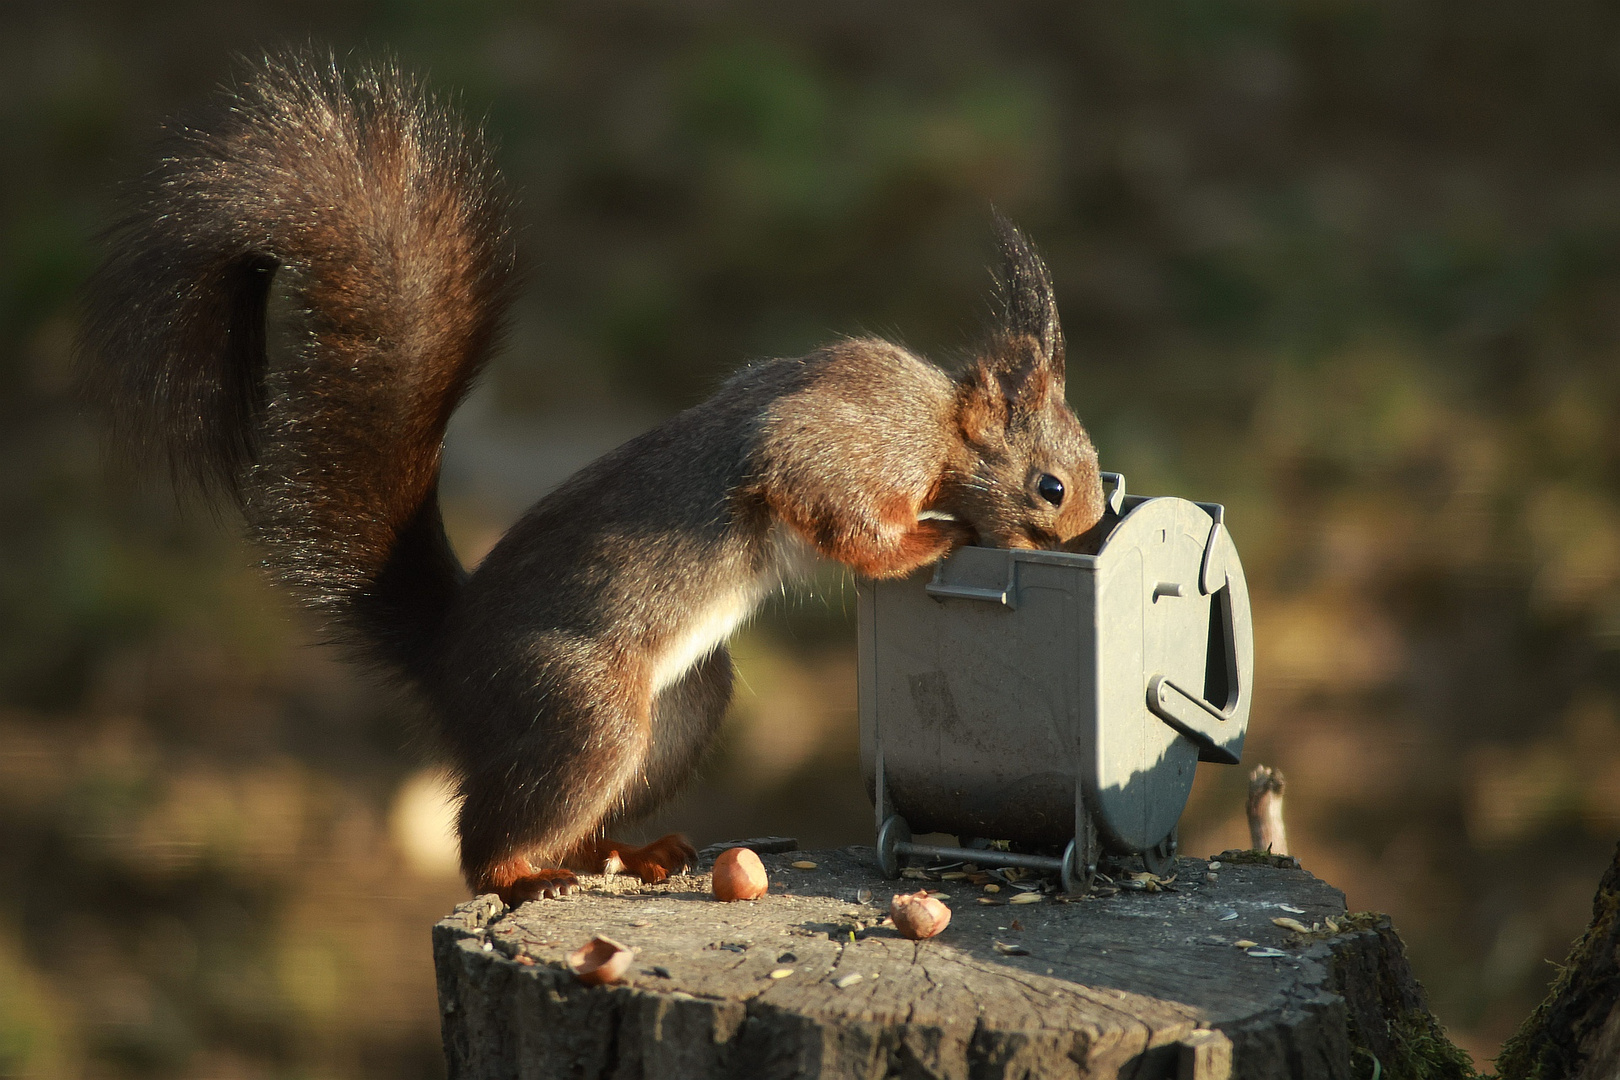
[{"x": 580, "y": 674}]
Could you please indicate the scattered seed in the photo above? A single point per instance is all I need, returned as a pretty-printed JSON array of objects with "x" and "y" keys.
[
  {"x": 1332, "y": 925},
  {"x": 990, "y": 901},
  {"x": 526, "y": 961},
  {"x": 939, "y": 895},
  {"x": 914, "y": 873},
  {"x": 1215, "y": 864},
  {"x": 953, "y": 875},
  {"x": 847, "y": 981},
  {"x": 781, "y": 973},
  {"x": 1290, "y": 907},
  {"x": 1245, "y": 943},
  {"x": 489, "y": 946},
  {"x": 1147, "y": 882},
  {"x": 1228, "y": 917},
  {"x": 1009, "y": 950},
  {"x": 992, "y": 888},
  {"x": 1026, "y": 898},
  {"x": 863, "y": 896},
  {"x": 804, "y": 864},
  {"x": 1265, "y": 953},
  {"x": 1292, "y": 924}
]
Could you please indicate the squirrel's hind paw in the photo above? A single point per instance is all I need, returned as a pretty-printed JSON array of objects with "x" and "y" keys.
[
  {"x": 549, "y": 883},
  {"x": 656, "y": 861},
  {"x": 652, "y": 862}
]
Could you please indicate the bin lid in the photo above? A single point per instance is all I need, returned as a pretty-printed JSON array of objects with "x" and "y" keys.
[{"x": 1175, "y": 662}]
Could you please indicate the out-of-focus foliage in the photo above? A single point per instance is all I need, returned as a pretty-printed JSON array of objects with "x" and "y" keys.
[{"x": 1352, "y": 268}]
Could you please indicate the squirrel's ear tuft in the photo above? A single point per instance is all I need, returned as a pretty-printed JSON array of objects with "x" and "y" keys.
[{"x": 1025, "y": 355}]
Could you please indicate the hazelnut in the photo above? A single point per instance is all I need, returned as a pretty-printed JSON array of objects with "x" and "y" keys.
[
  {"x": 739, "y": 875},
  {"x": 918, "y": 915},
  {"x": 600, "y": 960}
]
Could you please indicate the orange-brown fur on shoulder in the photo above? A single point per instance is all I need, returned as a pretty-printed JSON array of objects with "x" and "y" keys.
[{"x": 580, "y": 673}]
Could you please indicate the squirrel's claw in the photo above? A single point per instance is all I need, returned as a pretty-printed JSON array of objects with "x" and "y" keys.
[
  {"x": 652, "y": 863},
  {"x": 656, "y": 861},
  {"x": 548, "y": 883}
]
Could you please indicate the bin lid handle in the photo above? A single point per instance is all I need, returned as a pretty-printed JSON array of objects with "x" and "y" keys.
[{"x": 1201, "y": 722}]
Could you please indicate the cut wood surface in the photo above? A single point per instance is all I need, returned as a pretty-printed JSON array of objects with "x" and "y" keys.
[{"x": 807, "y": 982}]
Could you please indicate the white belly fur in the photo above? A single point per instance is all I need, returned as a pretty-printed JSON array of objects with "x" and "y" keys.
[{"x": 792, "y": 558}]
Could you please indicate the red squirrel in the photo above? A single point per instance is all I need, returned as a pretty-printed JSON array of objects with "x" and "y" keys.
[{"x": 579, "y": 673}]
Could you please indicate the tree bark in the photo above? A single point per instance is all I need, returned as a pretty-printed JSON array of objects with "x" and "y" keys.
[{"x": 1575, "y": 1032}]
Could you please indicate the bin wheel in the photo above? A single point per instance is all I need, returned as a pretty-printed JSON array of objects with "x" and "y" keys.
[
  {"x": 891, "y": 834},
  {"x": 1080, "y": 859},
  {"x": 1160, "y": 859},
  {"x": 1076, "y": 875}
]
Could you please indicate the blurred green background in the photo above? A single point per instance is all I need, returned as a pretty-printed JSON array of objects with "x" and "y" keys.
[{"x": 1351, "y": 268}]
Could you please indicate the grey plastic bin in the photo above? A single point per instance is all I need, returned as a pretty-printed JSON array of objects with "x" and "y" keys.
[{"x": 1056, "y": 700}]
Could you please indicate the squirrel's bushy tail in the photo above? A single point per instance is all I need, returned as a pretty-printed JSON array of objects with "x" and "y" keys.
[{"x": 384, "y": 223}]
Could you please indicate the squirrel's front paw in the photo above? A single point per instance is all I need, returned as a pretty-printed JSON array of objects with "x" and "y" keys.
[{"x": 547, "y": 883}]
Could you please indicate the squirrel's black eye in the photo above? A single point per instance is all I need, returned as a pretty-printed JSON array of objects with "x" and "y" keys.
[{"x": 1051, "y": 489}]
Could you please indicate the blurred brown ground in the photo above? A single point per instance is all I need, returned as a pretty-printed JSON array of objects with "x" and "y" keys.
[{"x": 1351, "y": 268}]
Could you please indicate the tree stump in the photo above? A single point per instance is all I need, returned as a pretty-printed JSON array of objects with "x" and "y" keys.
[
  {"x": 807, "y": 982},
  {"x": 1575, "y": 1032}
]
